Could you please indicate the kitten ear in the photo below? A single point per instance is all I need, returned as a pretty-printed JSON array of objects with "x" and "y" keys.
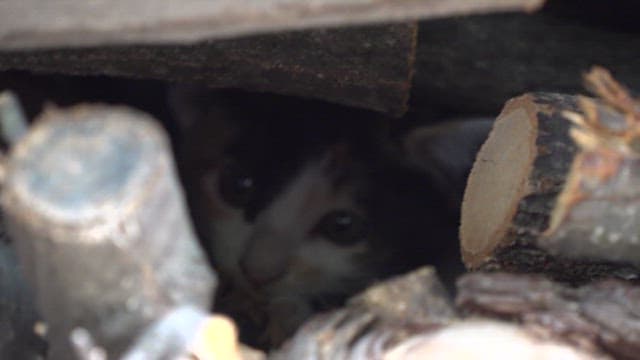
[
  {"x": 184, "y": 104},
  {"x": 204, "y": 120},
  {"x": 195, "y": 106},
  {"x": 446, "y": 152}
]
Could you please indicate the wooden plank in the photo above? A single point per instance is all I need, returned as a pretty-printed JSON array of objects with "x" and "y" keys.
[
  {"x": 368, "y": 67},
  {"x": 56, "y": 23}
]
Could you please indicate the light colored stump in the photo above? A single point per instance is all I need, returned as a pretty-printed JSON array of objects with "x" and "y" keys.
[{"x": 98, "y": 218}]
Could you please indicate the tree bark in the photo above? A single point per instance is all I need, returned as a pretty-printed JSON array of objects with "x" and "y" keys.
[
  {"x": 597, "y": 215},
  {"x": 514, "y": 189}
]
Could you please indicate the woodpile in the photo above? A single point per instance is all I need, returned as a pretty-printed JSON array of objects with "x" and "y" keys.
[
  {"x": 495, "y": 315},
  {"x": 552, "y": 194},
  {"x": 550, "y": 220}
]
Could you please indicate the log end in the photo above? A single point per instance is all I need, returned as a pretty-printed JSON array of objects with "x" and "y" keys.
[
  {"x": 497, "y": 182},
  {"x": 78, "y": 164}
]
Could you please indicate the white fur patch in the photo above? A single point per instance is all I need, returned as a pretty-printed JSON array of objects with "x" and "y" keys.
[{"x": 320, "y": 267}]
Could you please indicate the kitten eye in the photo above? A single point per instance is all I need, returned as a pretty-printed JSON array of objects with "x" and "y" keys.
[
  {"x": 236, "y": 185},
  {"x": 343, "y": 227}
]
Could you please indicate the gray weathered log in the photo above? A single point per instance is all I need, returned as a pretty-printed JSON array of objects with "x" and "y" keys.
[
  {"x": 514, "y": 187},
  {"x": 99, "y": 221},
  {"x": 59, "y": 23}
]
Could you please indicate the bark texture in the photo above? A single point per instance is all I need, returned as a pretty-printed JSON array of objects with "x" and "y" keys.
[
  {"x": 514, "y": 188},
  {"x": 597, "y": 215},
  {"x": 368, "y": 67}
]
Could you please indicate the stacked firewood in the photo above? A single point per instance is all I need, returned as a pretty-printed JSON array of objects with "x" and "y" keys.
[
  {"x": 549, "y": 223},
  {"x": 549, "y": 220}
]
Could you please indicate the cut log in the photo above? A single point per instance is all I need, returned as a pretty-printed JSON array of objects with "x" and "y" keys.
[
  {"x": 514, "y": 187},
  {"x": 516, "y": 177},
  {"x": 98, "y": 218}
]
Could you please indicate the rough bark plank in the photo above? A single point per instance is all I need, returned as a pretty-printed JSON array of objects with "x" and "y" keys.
[
  {"x": 367, "y": 67},
  {"x": 95, "y": 210},
  {"x": 475, "y": 64},
  {"x": 513, "y": 188},
  {"x": 82, "y": 23},
  {"x": 601, "y": 317}
]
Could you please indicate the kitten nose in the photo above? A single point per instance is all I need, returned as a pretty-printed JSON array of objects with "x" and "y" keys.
[
  {"x": 258, "y": 273},
  {"x": 268, "y": 253}
]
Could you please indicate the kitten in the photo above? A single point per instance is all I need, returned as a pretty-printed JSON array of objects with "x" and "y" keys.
[{"x": 301, "y": 204}]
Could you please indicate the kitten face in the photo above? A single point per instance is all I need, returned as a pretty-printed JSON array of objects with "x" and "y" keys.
[
  {"x": 300, "y": 208},
  {"x": 299, "y": 251},
  {"x": 310, "y": 240},
  {"x": 273, "y": 184}
]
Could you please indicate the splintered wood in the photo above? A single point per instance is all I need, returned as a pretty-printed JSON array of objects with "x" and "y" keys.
[{"x": 554, "y": 189}]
